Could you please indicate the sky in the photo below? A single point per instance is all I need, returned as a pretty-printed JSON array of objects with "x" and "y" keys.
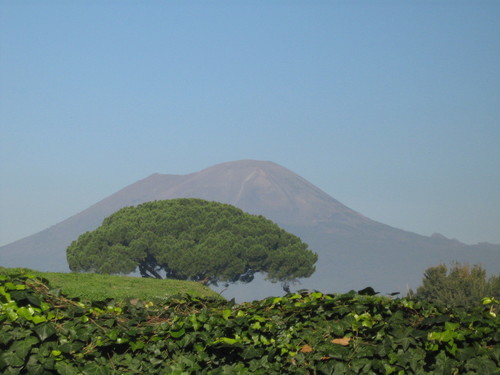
[{"x": 390, "y": 107}]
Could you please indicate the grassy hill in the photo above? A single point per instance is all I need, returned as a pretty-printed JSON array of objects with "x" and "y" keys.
[{"x": 97, "y": 287}]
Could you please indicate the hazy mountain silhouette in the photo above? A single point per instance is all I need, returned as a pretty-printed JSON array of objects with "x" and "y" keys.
[{"x": 354, "y": 251}]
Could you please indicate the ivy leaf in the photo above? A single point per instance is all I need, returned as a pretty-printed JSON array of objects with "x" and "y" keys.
[
  {"x": 327, "y": 367},
  {"x": 340, "y": 368},
  {"x": 95, "y": 369},
  {"x": 12, "y": 371},
  {"x": 226, "y": 340},
  {"x": 34, "y": 367},
  {"x": 5, "y": 334},
  {"x": 10, "y": 286},
  {"x": 33, "y": 300},
  {"x": 339, "y": 328},
  {"x": 482, "y": 365},
  {"x": 252, "y": 352},
  {"x": 71, "y": 347},
  {"x": 10, "y": 358},
  {"x": 44, "y": 331},
  {"x": 405, "y": 342},
  {"x": 136, "y": 345},
  {"x": 22, "y": 348},
  {"x": 226, "y": 314},
  {"x": 113, "y": 334},
  {"x": 16, "y": 295},
  {"x": 358, "y": 365},
  {"x": 37, "y": 319},
  {"x": 177, "y": 334},
  {"x": 64, "y": 368}
]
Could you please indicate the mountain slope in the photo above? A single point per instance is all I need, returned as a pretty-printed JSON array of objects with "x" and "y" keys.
[{"x": 354, "y": 251}]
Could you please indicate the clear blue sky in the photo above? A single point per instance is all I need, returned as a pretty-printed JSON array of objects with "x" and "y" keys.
[{"x": 391, "y": 107}]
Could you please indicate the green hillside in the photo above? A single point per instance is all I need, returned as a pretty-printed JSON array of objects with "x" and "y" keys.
[{"x": 97, "y": 287}]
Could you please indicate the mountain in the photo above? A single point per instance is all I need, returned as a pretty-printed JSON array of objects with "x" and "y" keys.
[{"x": 354, "y": 251}]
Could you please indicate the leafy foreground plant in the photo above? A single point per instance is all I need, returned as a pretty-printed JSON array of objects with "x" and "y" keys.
[{"x": 310, "y": 333}]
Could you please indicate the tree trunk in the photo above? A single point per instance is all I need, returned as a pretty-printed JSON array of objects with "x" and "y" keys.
[{"x": 147, "y": 271}]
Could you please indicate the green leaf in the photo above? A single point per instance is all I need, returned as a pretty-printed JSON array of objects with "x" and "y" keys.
[
  {"x": 23, "y": 347},
  {"x": 252, "y": 352},
  {"x": 10, "y": 285},
  {"x": 34, "y": 300},
  {"x": 25, "y": 296},
  {"x": 45, "y": 331},
  {"x": 449, "y": 326},
  {"x": 96, "y": 369},
  {"x": 482, "y": 365},
  {"x": 339, "y": 328},
  {"x": 194, "y": 321},
  {"x": 37, "y": 319},
  {"x": 340, "y": 368},
  {"x": 12, "y": 371},
  {"x": 34, "y": 367},
  {"x": 64, "y": 368},
  {"x": 136, "y": 345},
  {"x": 177, "y": 334},
  {"x": 10, "y": 358},
  {"x": 358, "y": 365},
  {"x": 71, "y": 347},
  {"x": 226, "y": 340},
  {"x": 113, "y": 334},
  {"x": 226, "y": 313},
  {"x": 405, "y": 342}
]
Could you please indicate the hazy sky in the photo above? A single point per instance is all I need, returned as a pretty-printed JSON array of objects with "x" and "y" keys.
[{"x": 391, "y": 107}]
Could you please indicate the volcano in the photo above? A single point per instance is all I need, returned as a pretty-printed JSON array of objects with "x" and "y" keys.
[{"x": 354, "y": 251}]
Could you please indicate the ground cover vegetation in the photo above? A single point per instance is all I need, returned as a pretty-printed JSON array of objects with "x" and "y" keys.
[
  {"x": 44, "y": 332},
  {"x": 98, "y": 287},
  {"x": 460, "y": 285},
  {"x": 192, "y": 239}
]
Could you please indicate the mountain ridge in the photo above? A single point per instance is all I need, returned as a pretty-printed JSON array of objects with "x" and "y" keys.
[{"x": 355, "y": 251}]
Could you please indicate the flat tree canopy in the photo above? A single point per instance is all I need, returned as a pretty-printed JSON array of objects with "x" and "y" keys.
[{"x": 191, "y": 239}]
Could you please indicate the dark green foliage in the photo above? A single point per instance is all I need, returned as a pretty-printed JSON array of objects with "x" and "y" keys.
[
  {"x": 308, "y": 333},
  {"x": 191, "y": 239},
  {"x": 461, "y": 286}
]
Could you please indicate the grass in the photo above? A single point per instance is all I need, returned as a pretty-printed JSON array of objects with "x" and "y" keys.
[{"x": 98, "y": 287}]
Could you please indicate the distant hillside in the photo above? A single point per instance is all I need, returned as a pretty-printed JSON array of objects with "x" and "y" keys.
[{"x": 354, "y": 251}]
